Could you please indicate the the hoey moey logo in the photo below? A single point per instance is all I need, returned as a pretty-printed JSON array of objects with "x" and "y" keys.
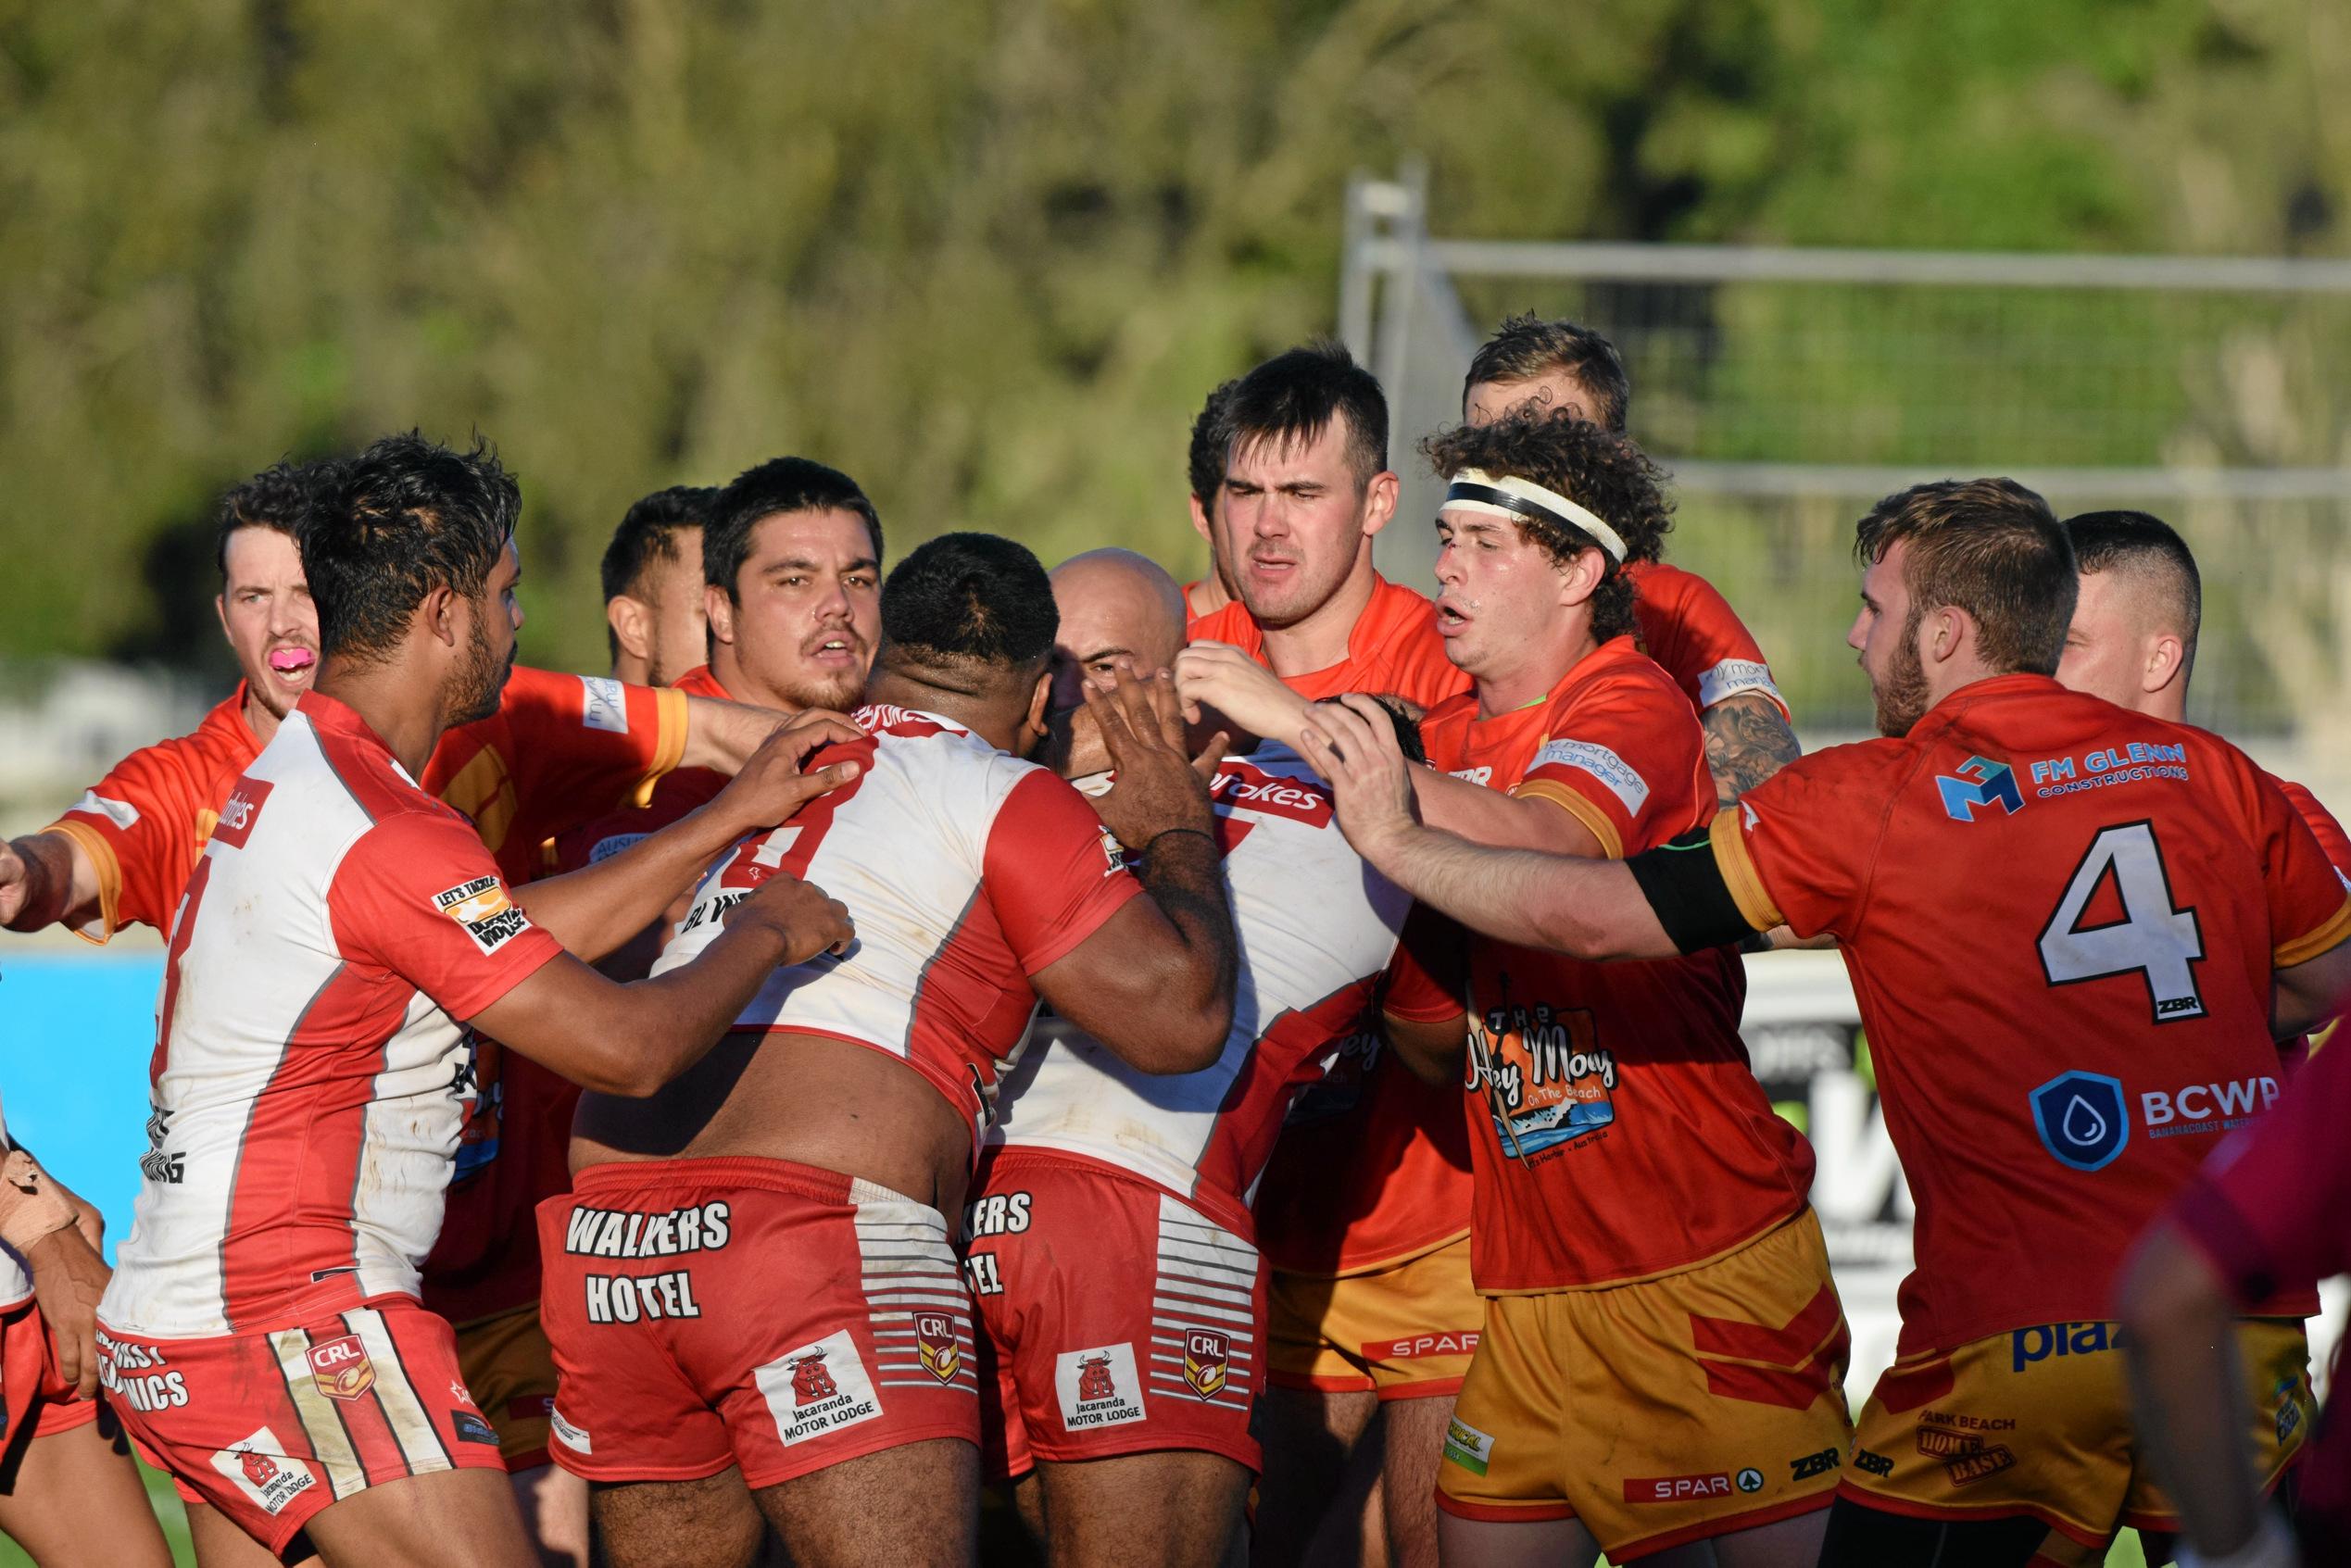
[
  {"x": 1207, "y": 1357},
  {"x": 341, "y": 1367},
  {"x": 934, "y": 1343},
  {"x": 1545, "y": 1078},
  {"x": 1981, "y": 782},
  {"x": 483, "y": 909},
  {"x": 241, "y": 810}
]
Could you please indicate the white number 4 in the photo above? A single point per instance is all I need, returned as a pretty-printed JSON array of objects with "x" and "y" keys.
[{"x": 2152, "y": 938}]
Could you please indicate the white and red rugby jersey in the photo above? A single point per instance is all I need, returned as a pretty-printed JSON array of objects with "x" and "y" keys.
[
  {"x": 1318, "y": 927},
  {"x": 311, "y": 1076},
  {"x": 966, "y": 870}
]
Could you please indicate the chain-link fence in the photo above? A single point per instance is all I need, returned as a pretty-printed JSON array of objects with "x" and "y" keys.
[{"x": 1787, "y": 389}]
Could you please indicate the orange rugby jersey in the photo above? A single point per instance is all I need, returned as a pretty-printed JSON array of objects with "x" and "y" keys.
[
  {"x": 560, "y": 748},
  {"x": 1691, "y": 629},
  {"x": 1616, "y": 1126},
  {"x": 1371, "y": 1165},
  {"x": 2060, "y": 918}
]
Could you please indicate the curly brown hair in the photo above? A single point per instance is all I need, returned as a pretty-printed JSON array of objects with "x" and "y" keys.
[{"x": 1596, "y": 468}]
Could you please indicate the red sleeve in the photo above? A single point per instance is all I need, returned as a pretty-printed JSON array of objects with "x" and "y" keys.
[
  {"x": 2332, "y": 842},
  {"x": 1691, "y": 629},
  {"x": 417, "y": 894},
  {"x": 2269, "y": 1207},
  {"x": 1053, "y": 876},
  {"x": 2309, "y": 910},
  {"x": 1796, "y": 849},
  {"x": 143, "y": 826},
  {"x": 561, "y": 751},
  {"x": 1621, "y": 756},
  {"x": 1428, "y": 977}
]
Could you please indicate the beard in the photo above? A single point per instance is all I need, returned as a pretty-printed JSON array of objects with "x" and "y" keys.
[
  {"x": 1900, "y": 695},
  {"x": 480, "y": 681}
]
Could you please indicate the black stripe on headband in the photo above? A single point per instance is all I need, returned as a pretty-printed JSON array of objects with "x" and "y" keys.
[{"x": 1462, "y": 490}]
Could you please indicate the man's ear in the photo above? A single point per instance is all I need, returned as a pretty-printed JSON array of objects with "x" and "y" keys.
[
  {"x": 632, "y": 625},
  {"x": 1199, "y": 523},
  {"x": 2166, "y": 662},
  {"x": 437, "y": 613},
  {"x": 220, "y": 608},
  {"x": 1379, "y": 502},
  {"x": 1582, "y": 577},
  {"x": 1946, "y": 631},
  {"x": 1040, "y": 698},
  {"x": 718, "y": 610}
]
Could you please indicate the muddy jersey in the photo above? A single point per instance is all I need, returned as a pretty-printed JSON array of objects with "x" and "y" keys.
[
  {"x": 1316, "y": 927},
  {"x": 966, "y": 871},
  {"x": 1691, "y": 630},
  {"x": 2061, "y": 921},
  {"x": 1618, "y": 1128},
  {"x": 559, "y": 749},
  {"x": 310, "y": 1074}
]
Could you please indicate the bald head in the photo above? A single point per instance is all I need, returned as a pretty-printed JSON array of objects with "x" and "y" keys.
[{"x": 1116, "y": 604}]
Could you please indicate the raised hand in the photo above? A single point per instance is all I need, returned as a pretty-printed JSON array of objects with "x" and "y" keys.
[
  {"x": 1352, "y": 743},
  {"x": 809, "y": 920},
  {"x": 770, "y": 786},
  {"x": 1159, "y": 784},
  {"x": 1221, "y": 679}
]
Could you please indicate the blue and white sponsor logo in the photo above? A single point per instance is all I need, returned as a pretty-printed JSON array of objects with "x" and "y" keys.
[
  {"x": 1981, "y": 782},
  {"x": 2083, "y": 1119},
  {"x": 1620, "y": 776}
]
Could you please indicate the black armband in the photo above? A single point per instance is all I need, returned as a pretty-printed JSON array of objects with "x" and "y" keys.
[{"x": 1686, "y": 890}]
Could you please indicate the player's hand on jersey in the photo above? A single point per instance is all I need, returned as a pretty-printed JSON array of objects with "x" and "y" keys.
[
  {"x": 771, "y": 786},
  {"x": 809, "y": 920},
  {"x": 1241, "y": 692},
  {"x": 1158, "y": 783},
  {"x": 68, "y": 1278},
  {"x": 1352, "y": 743}
]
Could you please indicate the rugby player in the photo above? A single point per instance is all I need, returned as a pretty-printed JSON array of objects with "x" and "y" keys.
[
  {"x": 70, "y": 1495},
  {"x": 1110, "y": 1255},
  {"x": 752, "y": 1289},
  {"x": 1631, "y": 1180},
  {"x": 656, "y": 624},
  {"x": 262, "y": 1335},
  {"x": 2072, "y": 931},
  {"x": 1204, "y": 465},
  {"x": 1560, "y": 367},
  {"x": 1363, "y": 1214},
  {"x": 561, "y": 749},
  {"x": 2265, "y": 1215}
]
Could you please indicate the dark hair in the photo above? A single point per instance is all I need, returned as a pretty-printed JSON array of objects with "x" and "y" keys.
[
  {"x": 277, "y": 498},
  {"x": 1211, "y": 442},
  {"x": 1293, "y": 397},
  {"x": 1599, "y": 471},
  {"x": 647, "y": 535},
  {"x": 774, "y": 488},
  {"x": 1988, "y": 547},
  {"x": 1525, "y": 348},
  {"x": 970, "y": 597},
  {"x": 2143, "y": 543},
  {"x": 405, "y": 517}
]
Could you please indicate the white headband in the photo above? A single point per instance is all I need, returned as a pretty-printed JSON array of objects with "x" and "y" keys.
[{"x": 1475, "y": 490}]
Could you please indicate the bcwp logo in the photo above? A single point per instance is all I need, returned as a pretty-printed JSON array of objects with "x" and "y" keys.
[{"x": 341, "y": 1367}]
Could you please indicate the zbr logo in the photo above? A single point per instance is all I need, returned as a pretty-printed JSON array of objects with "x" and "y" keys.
[
  {"x": 1981, "y": 782},
  {"x": 2083, "y": 1118}
]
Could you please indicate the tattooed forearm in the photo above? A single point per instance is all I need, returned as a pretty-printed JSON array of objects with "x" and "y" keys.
[{"x": 1747, "y": 740}]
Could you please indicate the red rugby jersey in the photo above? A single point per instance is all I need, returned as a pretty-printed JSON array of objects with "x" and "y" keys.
[
  {"x": 1618, "y": 1128},
  {"x": 1691, "y": 631},
  {"x": 2061, "y": 920},
  {"x": 1371, "y": 1165}
]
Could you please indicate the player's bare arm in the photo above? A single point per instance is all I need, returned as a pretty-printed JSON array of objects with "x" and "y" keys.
[
  {"x": 1218, "y": 677},
  {"x": 2306, "y": 994},
  {"x": 596, "y": 910},
  {"x": 723, "y": 736},
  {"x": 633, "y": 1040},
  {"x": 1748, "y": 739},
  {"x": 44, "y": 878},
  {"x": 1588, "y": 908},
  {"x": 1155, "y": 984},
  {"x": 2185, "y": 1380},
  {"x": 45, "y": 1224}
]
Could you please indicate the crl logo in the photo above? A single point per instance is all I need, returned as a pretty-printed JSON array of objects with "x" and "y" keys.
[
  {"x": 2083, "y": 1118},
  {"x": 1981, "y": 782}
]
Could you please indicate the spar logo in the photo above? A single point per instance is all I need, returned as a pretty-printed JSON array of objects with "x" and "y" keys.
[
  {"x": 1207, "y": 1355},
  {"x": 341, "y": 1367}
]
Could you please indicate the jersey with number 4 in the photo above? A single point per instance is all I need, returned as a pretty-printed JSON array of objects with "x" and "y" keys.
[
  {"x": 966, "y": 871},
  {"x": 2061, "y": 921},
  {"x": 1317, "y": 926}
]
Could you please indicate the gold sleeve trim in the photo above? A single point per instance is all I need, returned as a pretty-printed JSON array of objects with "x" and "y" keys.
[
  {"x": 109, "y": 870},
  {"x": 669, "y": 744},
  {"x": 1739, "y": 874},
  {"x": 1576, "y": 806},
  {"x": 2303, "y": 948}
]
